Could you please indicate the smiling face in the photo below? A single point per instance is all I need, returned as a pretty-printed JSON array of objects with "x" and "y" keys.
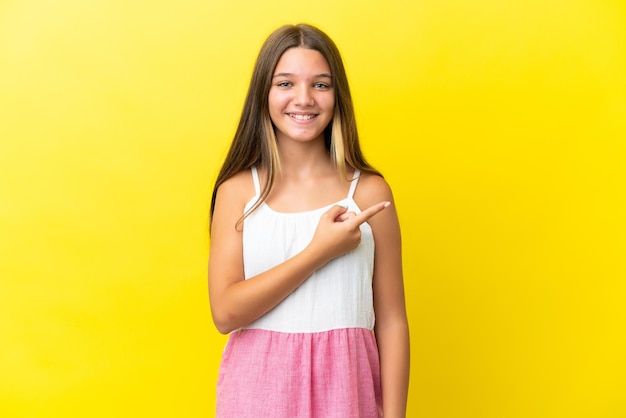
[{"x": 302, "y": 98}]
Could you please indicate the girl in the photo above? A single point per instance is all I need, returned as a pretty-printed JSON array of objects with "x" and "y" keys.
[{"x": 294, "y": 275}]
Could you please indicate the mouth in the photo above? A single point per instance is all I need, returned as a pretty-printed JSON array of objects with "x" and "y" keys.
[{"x": 302, "y": 117}]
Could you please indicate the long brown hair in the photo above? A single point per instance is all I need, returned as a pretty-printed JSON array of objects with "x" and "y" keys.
[{"x": 254, "y": 143}]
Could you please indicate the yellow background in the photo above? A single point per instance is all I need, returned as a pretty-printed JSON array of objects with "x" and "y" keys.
[{"x": 500, "y": 125}]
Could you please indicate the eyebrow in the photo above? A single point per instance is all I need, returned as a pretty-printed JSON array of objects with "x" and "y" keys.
[{"x": 323, "y": 75}]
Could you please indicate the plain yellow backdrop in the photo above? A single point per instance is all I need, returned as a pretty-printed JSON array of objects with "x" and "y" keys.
[{"x": 501, "y": 126}]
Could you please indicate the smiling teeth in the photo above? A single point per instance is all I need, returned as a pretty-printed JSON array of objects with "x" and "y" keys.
[{"x": 302, "y": 117}]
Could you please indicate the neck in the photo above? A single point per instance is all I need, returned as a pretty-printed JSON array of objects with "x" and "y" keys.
[{"x": 304, "y": 158}]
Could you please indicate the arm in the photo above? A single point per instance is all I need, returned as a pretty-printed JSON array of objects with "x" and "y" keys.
[
  {"x": 236, "y": 302},
  {"x": 391, "y": 328}
]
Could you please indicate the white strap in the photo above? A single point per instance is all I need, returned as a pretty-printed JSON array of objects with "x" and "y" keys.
[
  {"x": 255, "y": 179},
  {"x": 355, "y": 180}
]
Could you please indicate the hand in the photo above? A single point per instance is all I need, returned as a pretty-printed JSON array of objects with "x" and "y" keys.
[{"x": 338, "y": 231}]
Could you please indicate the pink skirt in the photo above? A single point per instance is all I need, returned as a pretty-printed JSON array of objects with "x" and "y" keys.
[{"x": 332, "y": 374}]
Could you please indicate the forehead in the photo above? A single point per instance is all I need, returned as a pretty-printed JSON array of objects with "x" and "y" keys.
[{"x": 302, "y": 61}]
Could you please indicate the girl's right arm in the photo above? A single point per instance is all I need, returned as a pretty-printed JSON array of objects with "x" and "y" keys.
[{"x": 236, "y": 302}]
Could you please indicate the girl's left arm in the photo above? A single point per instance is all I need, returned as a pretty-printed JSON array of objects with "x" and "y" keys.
[{"x": 391, "y": 328}]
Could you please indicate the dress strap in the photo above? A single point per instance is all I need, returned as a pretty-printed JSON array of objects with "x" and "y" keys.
[
  {"x": 355, "y": 180},
  {"x": 255, "y": 179}
]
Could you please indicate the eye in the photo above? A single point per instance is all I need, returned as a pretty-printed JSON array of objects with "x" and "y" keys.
[
  {"x": 321, "y": 86},
  {"x": 283, "y": 84}
]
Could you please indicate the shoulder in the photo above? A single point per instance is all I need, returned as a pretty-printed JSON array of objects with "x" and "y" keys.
[
  {"x": 372, "y": 189},
  {"x": 237, "y": 190}
]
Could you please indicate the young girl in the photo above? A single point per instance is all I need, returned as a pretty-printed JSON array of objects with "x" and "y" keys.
[{"x": 297, "y": 271}]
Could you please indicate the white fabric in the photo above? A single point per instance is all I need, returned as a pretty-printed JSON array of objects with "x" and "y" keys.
[{"x": 338, "y": 295}]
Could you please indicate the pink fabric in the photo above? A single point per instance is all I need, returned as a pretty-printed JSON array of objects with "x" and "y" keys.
[{"x": 331, "y": 374}]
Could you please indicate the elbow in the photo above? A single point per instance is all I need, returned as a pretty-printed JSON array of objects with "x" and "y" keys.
[
  {"x": 224, "y": 323},
  {"x": 224, "y": 319},
  {"x": 223, "y": 329},
  {"x": 227, "y": 315}
]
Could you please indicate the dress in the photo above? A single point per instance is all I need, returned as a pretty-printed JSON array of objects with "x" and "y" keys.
[{"x": 314, "y": 355}]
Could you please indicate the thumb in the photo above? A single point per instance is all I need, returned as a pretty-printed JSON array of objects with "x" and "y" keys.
[{"x": 335, "y": 211}]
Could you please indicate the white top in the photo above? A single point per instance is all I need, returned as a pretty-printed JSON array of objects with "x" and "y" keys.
[{"x": 338, "y": 295}]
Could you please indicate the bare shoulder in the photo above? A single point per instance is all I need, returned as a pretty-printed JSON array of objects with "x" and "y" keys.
[
  {"x": 237, "y": 190},
  {"x": 372, "y": 189}
]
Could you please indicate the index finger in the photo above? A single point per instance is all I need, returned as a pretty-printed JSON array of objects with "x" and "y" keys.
[{"x": 366, "y": 214}]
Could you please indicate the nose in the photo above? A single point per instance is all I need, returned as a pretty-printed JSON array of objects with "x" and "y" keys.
[{"x": 303, "y": 96}]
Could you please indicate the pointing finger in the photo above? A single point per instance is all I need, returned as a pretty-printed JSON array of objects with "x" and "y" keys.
[{"x": 367, "y": 214}]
